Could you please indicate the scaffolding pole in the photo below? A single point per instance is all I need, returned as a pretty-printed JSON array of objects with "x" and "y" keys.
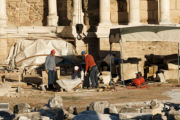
[
  {"x": 122, "y": 62},
  {"x": 178, "y": 63}
]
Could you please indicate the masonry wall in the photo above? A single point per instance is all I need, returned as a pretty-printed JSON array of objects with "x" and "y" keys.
[{"x": 34, "y": 12}]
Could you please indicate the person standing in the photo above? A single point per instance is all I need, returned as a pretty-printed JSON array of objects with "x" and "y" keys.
[
  {"x": 92, "y": 68},
  {"x": 50, "y": 67}
]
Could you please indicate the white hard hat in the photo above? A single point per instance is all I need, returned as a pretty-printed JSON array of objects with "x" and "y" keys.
[{"x": 76, "y": 68}]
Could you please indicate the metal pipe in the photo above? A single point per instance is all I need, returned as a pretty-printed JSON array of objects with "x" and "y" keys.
[
  {"x": 122, "y": 62},
  {"x": 178, "y": 63},
  {"x": 110, "y": 62}
]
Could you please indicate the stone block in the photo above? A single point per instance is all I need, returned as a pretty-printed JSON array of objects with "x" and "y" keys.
[
  {"x": 3, "y": 49},
  {"x": 171, "y": 74},
  {"x": 114, "y": 17},
  {"x": 22, "y": 108},
  {"x": 175, "y": 14},
  {"x": 172, "y": 66},
  {"x": 157, "y": 109},
  {"x": 153, "y": 69},
  {"x": 99, "y": 106},
  {"x": 144, "y": 5},
  {"x": 29, "y": 116},
  {"x": 143, "y": 16},
  {"x": 44, "y": 77},
  {"x": 172, "y": 4},
  {"x": 55, "y": 102},
  {"x": 161, "y": 77},
  {"x": 104, "y": 45},
  {"x": 105, "y": 77},
  {"x": 33, "y": 1},
  {"x": 113, "y": 109},
  {"x": 139, "y": 116},
  {"x": 13, "y": 0},
  {"x": 178, "y": 4},
  {"x": 129, "y": 71}
]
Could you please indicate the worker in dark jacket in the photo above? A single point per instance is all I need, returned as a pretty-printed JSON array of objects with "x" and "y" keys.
[
  {"x": 50, "y": 67},
  {"x": 92, "y": 68}
]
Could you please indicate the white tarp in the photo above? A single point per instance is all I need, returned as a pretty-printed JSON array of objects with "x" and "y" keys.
[
  {"x": 33, "y": 52},
  {"x": 148, "y": 33},
  {"x": 69, "y": 84}
]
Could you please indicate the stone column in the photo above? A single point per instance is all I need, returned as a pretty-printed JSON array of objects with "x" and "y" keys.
[
  {"x": 134, "y": 12},
  {"x": 52, "y": 18},
  {"x": 78, "y": 15},
  {"x": 3, "y": 15},
  {"x": 3, "y": 49},
  {"x": 104, "y": 19},
  {"x": 105, "y": 11},
  {"x": 164, "y": 12}
]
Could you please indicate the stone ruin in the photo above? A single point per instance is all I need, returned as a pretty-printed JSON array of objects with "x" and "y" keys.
[{"x": 98, "y": 110}]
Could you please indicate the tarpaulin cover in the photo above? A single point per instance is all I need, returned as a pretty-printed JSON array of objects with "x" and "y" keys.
[
  {"x": 33, "y": 52},
  {"x": 146, "y": 33},
  {"x": 151, "y": 33},
  {"x": 69, "y": 84}
]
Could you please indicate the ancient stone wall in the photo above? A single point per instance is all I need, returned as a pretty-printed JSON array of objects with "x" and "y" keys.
[
  {"x": 175, "y": 11},
  {"x": 34, "y": 12},
  {"x": 26, "y": 12}
]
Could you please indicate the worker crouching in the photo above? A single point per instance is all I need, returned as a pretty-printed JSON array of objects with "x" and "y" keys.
[
  {"x": 139, "y": 80},
  {"x": 92, "y": 68}
]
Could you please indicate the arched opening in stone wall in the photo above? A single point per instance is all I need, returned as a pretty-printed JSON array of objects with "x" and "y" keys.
[
  {"x": 64, "y": 11},
  {"x": 93, "y": 11},
  {"x": 152, "y": 9},
  {"x": 122, "y": 12},
  {"x": 45, "y": 12}
]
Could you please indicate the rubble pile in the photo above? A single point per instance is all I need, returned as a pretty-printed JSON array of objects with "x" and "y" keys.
[{"x": 98, "y": 110}]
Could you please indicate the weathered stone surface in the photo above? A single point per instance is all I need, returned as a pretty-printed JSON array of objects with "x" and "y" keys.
[
  {"x": 34, "y": 12},
  {"x": 157, "y": 110},
  {"x": 178, "y": 4},
  {"x": 70, "y": 109},
  {"x": 43, "y": 87},
  {"x": 68, "y": 115},
  {"x": 172, "y": 66},
  {"x": 22, "y": 108},
  {"x": 33, "y": 116},
  {"x": 171, "y": 74},
  {"x": 161, "y": 77},
  {"x": 23, "y": 118},
  {"x": 113, "y": 109},
  {"x": 137, "y": 116},
  {"x": 105, "y": 77},
  {"x": 100, "y": 106},
  {"x": 19, "y": 90},
  {"x": 55, "y": 102},
  {"x": 3, "y": 49}
]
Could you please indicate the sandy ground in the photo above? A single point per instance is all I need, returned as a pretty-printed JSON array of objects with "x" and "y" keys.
[{"x": 83, "y": 97}]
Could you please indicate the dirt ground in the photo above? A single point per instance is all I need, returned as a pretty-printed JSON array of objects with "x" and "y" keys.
[{"x": 83, "y": 97}]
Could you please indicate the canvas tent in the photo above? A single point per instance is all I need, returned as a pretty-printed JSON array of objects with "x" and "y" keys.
[{"x": 144, "y": 33}]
